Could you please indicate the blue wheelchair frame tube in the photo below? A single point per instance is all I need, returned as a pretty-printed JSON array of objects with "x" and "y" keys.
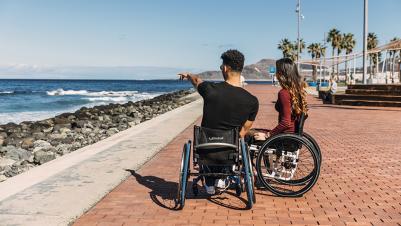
[
  {"x": 247, "y": 177},
  {"x": 185, "y": 173}
]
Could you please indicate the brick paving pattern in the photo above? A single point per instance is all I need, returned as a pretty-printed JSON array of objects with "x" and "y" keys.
[{"x": 360, "y": 181}]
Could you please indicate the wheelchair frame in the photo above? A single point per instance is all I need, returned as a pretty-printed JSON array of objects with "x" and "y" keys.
[
  {"x": 300, "y": 137},
  {"x": 242, "y": 168}
]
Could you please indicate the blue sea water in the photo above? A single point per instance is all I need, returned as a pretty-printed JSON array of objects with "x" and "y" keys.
[{"x": 31, "y": 100}]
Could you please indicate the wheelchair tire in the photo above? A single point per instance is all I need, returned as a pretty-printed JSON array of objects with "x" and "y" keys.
[
  {"x": 272, "y": 184},
  {"x": 314, "y": 143},
  {"x": 304, "y": 180},
  {"x": 247, "y": 175},
  {"x": 184, "y": 174}
]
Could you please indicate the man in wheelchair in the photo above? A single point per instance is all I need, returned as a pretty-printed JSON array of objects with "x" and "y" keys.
[{"x": 226, "y": 106}]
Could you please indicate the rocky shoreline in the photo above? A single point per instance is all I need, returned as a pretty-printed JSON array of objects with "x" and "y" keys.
[{"x": 29, "y": 144}]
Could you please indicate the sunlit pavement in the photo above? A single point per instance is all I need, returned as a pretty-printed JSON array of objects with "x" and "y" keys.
[{"x": 360, "y": 181}]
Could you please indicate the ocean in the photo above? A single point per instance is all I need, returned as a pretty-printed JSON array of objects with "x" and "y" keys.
[{"x": 31, "y": 100}]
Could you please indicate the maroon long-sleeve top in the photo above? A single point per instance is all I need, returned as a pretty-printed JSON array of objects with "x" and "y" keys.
[{"x": 287, "y": 121}]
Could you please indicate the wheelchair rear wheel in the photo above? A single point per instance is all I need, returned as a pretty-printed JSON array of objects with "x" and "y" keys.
[
  {"x": 184, "y": 174},
  {"x": 247, "y": 171},
  {"x": 303, "y": 181},
  {"x": 288, "y": 165},
  {"x": 315, "y": 145}
]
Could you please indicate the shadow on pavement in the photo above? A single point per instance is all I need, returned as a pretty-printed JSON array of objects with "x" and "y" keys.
[
  {"x": 229, "y": 200},
  {"x": 163, "y": 192}
]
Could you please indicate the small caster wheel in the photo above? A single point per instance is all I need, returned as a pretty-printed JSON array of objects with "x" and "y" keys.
[{"x": 195, "y": 189}]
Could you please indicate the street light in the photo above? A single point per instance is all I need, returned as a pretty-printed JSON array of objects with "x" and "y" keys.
[
  {"x": 300, "y": 16},
  {"x": 365, "y": 42}
]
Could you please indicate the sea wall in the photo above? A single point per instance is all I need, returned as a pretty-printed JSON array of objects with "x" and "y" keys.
[{"x": 29, "y": 144}]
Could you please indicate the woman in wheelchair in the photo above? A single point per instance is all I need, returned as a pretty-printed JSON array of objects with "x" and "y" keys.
[
  {"x": 287, "y": 160},
  {"x": 291, "y": 102}
]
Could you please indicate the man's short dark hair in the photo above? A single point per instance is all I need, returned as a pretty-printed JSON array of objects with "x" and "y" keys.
[{"x": 233, "y": 58}]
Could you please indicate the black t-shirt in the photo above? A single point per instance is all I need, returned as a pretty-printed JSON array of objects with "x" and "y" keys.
[{"x": 226, "y": 106}]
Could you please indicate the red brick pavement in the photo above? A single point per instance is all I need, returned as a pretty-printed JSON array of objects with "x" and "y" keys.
[{"x": 360, "y": 181}]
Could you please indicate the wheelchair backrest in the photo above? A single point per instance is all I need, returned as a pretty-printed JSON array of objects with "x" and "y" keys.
[
  {"x": 215, "y": 146},
  {"x": 300, "y": 128}
]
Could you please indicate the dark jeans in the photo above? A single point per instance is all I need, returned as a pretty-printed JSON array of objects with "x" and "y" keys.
[{"x": 327, "y": 97}]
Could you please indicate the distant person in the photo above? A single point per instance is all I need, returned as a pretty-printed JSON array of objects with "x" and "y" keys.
[
  {"x": 242, "y": 81},
  {"x": 328, "y": 96},
  {"x": 333, "y": 86},
  {"x": 291, "y": 101},
  {"x": 226, "y": 104},
  {"x": 274, "y": 80}
]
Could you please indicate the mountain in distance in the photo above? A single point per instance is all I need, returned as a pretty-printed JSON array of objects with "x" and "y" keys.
[{"x": 257, "y": 71}]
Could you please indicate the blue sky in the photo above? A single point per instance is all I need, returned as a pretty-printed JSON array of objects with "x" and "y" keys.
[{"x": 175, "y": 33}]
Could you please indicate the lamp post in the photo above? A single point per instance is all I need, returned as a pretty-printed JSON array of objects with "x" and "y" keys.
[
  {"x": 298, "y": 10},
  {"x": 365, "y": 42}
]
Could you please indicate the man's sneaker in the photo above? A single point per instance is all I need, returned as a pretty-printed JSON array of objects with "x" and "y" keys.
[
  {"x": 210, "y": 190},
  {"x": 221, "y": 183}
]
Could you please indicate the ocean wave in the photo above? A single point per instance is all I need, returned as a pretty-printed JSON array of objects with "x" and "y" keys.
[
  {"x": 62, "y": 92},
  {"x": 18, "y": 92},
  {"x": 18, "y": 117},
  {"x": 6, "y": 92},
  {"x": 122, "y": 99},
  {"x": 108, "y": 99}
]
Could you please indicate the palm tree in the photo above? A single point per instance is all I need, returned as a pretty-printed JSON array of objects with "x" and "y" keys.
[
  {"x": 340, "y": 48},
  {"x": 312, "y": 49},
  {"x": 287, "y": 48},
  {"x": 349, "y": 45},
  {"x": 374, "y": 58},
  {"x": 334, "y": 37},
  {"x": 322, "y": 51},
  {"x": 301, "y": 47},
  {"x": 317, "y": 51}
]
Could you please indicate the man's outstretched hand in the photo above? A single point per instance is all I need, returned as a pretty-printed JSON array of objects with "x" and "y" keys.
[
  {"x": 195, "y": 80},
  {"x": 184, "y": 75}
]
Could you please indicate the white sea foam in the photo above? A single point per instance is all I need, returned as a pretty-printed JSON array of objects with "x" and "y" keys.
[
  {"x": 95, "y": 98},
  {"x": 122, "y": 99},
  {"x": 108, "y": 99},
  {"x": 105, "y": 96},
  {"x": 6, "y": 92},
  {"x": 17, "y": 117},
  {"x": 61, "y": 92}
]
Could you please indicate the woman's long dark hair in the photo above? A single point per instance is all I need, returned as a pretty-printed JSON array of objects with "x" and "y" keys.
[{"x": 289, "y": 78}]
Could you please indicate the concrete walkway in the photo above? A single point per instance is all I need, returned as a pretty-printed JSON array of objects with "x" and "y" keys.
[
  {"x": 360, "y": 182},
  {"x": 62, "y": 190}
]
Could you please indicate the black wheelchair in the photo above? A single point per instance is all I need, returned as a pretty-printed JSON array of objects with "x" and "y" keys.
[
  {"x": 217, "y": 149},
  {"x": 287, "y": 164}
]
